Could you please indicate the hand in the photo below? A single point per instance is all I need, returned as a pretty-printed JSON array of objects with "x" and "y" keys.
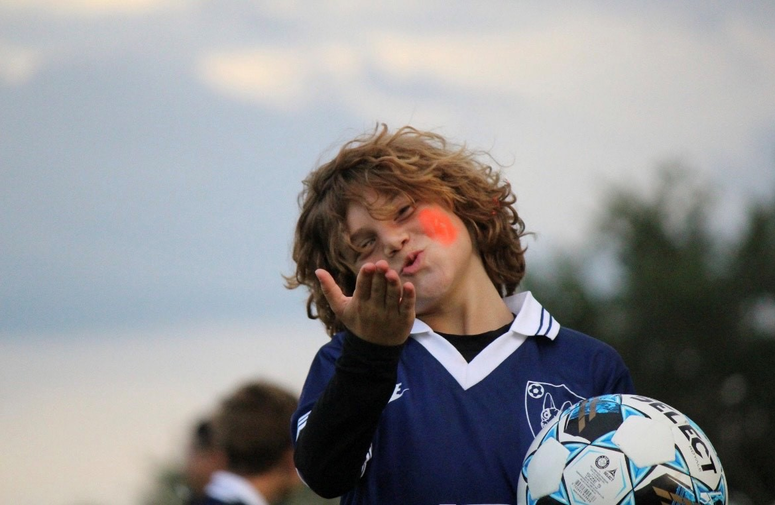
[{"x": 380, "y": 311}]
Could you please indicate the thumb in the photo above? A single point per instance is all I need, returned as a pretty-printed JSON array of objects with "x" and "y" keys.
[{"x": 331, "y": 290}]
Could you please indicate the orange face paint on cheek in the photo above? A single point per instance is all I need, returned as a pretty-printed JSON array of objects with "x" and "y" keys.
[{"x": 437, "y": 225}]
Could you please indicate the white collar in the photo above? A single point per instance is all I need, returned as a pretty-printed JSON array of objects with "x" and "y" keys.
[
  {"x": 229, "y": 487},
  {"x": 531, "y": 319}
]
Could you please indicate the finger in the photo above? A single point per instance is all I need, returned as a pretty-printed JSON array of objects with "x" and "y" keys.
[
  {"x": 392, "y": 290},
  {"x": 331, "y": 290},
  {"x": 364, "y": 281},
  {"x": 379, "y": 282},
  {"x": 408, "y": 299}
]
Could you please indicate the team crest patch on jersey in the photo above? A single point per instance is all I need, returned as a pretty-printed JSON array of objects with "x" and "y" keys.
[{"x": 543, "y": 401}]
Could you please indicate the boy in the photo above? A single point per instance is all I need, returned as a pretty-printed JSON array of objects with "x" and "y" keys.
[
  {"x": 250, "y": 427},
  {"x": 437, "y": 377}
]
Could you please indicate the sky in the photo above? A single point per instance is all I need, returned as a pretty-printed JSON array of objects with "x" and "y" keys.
[{"x": 152, "y": 151}]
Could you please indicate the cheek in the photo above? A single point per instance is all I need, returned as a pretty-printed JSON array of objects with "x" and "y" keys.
[{"x": 438, "y": 225}]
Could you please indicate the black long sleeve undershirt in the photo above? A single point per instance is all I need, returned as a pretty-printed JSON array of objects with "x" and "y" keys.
[{"x": 331, "y": 449}]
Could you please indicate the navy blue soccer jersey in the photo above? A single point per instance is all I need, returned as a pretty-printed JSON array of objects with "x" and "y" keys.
[{"x": 452, "y": 432}]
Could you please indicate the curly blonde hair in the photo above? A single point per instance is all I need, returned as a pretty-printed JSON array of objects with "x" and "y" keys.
[{"x": 423, "y": 167}]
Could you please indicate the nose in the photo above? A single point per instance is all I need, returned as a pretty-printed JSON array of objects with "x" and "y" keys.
[{"x": 394, "y": 239}]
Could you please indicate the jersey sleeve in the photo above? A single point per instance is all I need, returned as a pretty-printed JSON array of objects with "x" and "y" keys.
[
  {"x": 613, "y": 373},
  {"x": 621, "y": 381},
  {"x": 348, "y": 386},
  {"x": 597, "y": 367}
]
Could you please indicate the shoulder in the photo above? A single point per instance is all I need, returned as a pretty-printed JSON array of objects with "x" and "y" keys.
[
  {"x": 335, "y": 344},
  {"x": 582, "y": 344},
  {"x": 321, "y": 370},
  {"x": 571, "y": 337},
  {"x": 580, "y": 363},
  {"x": 599, "y": 358},
  {"x": 572, "y": 346},
  {"x": 331, "y": 350}
]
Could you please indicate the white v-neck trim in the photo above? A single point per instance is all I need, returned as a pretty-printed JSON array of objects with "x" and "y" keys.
[{"x": 531, "y": 319}]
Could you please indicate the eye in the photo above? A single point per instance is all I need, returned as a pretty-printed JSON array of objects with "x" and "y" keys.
[
  {"x": 362, "y": 247},
  {"x": 365, "y": 244},
  {"x": 404, "y": 212}
]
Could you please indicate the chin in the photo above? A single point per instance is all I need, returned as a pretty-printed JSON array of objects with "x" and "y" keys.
[
  {"x": 420, "y": 308},
  {"x": 425, "y": 307},
  {"x": 432, "y": 295}
]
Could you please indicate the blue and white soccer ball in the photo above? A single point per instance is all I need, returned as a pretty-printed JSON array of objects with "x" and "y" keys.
[{"x": 621, "y": 450}]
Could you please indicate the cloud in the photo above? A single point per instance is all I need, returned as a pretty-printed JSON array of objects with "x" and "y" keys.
[
  {"x": 282, "y": 78},
  {"x": 675, "y": 83},
  {"x": 18, "y": 65},
  {"x": 89, "y": 8},
  {"x": 567, "y": 99},
  {"x": 274, "y": 78},
  {"x": 596, "y": 65},
  {"x": 651, "y": 84}
]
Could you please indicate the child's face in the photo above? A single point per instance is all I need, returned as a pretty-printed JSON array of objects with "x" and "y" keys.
[{"x": 426, "y": 244}]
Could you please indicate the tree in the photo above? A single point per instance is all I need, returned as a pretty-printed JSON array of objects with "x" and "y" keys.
[{"x": 692, "y": 313}]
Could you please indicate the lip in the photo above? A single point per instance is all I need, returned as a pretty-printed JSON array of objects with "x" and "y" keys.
[{"x": 412, "y": 263}]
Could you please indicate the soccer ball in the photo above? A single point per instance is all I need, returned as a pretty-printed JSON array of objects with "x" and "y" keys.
[{"x": 621, "y": 450}]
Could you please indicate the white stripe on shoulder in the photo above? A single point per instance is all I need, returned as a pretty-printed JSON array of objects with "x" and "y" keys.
[
  {"x": 532, "y": 318},
  {"x": 302, "y": 422}
]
